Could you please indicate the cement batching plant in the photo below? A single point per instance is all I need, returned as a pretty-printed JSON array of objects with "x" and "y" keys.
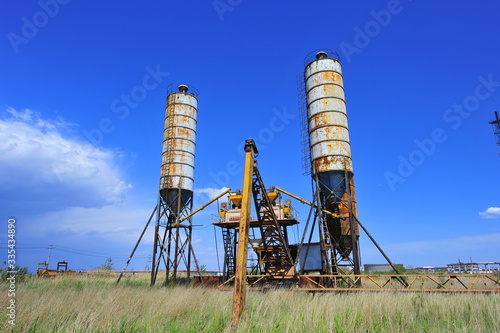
[{"x": 257, "y": 250}]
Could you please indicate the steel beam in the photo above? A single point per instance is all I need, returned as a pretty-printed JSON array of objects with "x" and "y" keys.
[{"x": 240, "y": 279}]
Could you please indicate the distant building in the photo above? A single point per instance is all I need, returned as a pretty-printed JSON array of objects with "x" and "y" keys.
[
  {"x": 380, "y": 267},
  {"x": 431, "y": 269},
  {"x": 474, "y": 267}
]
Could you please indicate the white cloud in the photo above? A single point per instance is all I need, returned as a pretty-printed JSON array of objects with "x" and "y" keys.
[
  {"x": 79, "y": 233},
  {"x": 40, "y": 164},
  {"x": 210, "y": 192},
  {"x": 113, "y": 223},
  {"x": 490, "y": 213}
]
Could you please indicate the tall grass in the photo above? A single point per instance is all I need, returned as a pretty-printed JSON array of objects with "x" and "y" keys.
[{"x": 96, "y": 304}]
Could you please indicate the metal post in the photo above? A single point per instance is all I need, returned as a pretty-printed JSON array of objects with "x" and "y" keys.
[
  {"x": 402, "y": 279},
  {"x": 239, "y": 294},
  {"x": 354, "y": 238},
  {"x": 154, "y": 266},
  {"x": 177, "y": 235},
  {"x": 188, "y": 268},
  {"x": 51, "y": 247},
  {"x": 136, "y": 245}
]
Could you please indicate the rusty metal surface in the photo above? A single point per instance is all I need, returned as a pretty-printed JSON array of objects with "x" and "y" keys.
[
  {"x": 448, "y": 283},
  {"x": 240, "y": 276},
  {"x": 275, "y": 252},
  {"x": 331, "y": 164},
  {"x": 328, "y": 128},
  {"x": 256, "y": 224},
  {"x": 179, "y": 141},
  {"x": 427, "y": 282},
  {"x": 207, "y": 281},
  {"x": 344, "y": 225}
]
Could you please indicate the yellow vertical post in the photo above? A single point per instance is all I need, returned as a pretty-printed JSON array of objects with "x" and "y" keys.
[{"x": 240, "y": 278}]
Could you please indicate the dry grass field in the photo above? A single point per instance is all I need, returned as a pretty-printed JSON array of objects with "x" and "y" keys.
[{"x": 93, "y": 303}]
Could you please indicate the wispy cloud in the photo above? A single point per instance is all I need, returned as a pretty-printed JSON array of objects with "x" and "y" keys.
[
  {"x": 64, "y": 191},
  {"x": 41, "y": 164},
  {"x": 119, "y": 224},
  {"x": 490, "y": 213},
  {"x": 210, "y": 192}
]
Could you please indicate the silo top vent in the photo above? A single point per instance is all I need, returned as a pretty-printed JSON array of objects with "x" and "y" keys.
[
  {"x": 321, "y": 55},
  {"x": 183, "y": 88}
]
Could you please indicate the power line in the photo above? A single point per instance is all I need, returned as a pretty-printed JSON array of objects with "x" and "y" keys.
[
  {"x": 25, "y": 247},
  {"x": 92, "y": 254},
  {"x": 72, "y": 250}
]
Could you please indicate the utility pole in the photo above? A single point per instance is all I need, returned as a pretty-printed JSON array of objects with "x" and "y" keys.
[
  {"x": 496, "y": 128},
  {"x": 148, "y": 263},
  {"x": 51, "y": 247}
]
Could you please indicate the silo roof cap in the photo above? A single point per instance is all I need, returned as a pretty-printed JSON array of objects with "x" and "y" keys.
[{"x": 321, "y": 55}]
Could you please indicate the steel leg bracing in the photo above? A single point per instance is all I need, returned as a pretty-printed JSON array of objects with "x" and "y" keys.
[{"x": 172, "y": 242}]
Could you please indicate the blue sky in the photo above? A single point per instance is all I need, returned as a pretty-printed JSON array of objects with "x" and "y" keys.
[{"x": 82, "y": 101}]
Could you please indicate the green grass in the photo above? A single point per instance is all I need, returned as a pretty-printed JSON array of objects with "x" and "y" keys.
[{"x": 96, "y": 304}]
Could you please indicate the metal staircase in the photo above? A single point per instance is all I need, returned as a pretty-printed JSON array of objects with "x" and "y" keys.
[
  {"x": 229, "y": 247},
  {"x": 275, "y": 252}
]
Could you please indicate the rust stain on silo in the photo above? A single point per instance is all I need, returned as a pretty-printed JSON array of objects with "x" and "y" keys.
[
  {"x": 329, "y": 136},
  {"x": 179, "y": 137}
]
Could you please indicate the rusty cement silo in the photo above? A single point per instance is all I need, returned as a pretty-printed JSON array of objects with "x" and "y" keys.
[
  {"x": 176, "y": 183},
  {"x": 179, "y": 141},
  {"x": 331, "y": 163}
]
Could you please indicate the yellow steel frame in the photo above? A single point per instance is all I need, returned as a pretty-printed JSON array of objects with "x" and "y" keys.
[
  {"x": 428, "y": 282},
  {"x": 240, "y": 278},
  {"x": 305, "y": 202},
  {"x": 207, "y": 204}
]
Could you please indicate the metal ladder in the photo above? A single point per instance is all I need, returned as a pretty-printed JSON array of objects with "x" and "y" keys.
[
  {"x": 229, "y": 261},
  {"x": 304, "y": 125},
  {"x": 168, "y": 138},
  {"x": 328, "y": 255},
  {"x": 327, "y": 246}
]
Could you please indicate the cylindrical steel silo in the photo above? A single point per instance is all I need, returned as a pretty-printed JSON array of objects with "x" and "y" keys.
[
  {"x": 328, "y": 130},
  {"x": 331, "y": 161},
  {"x": 179, "y": 141}
]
